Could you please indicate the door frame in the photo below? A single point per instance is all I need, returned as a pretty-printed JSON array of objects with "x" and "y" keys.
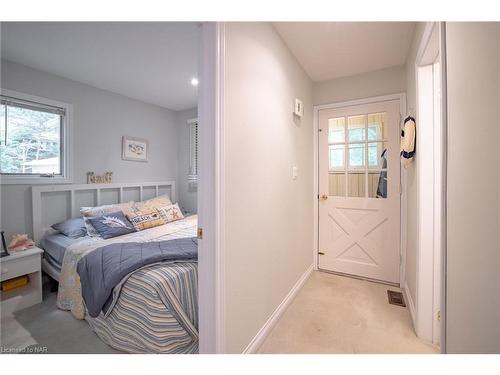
[
  {"x": 374, "y": 99},
  {"x": 426, "y": 305},
  {"x": 211, "y": 189}
]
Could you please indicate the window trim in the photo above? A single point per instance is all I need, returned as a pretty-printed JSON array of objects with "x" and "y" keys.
[{"x": 67, "y": 144}]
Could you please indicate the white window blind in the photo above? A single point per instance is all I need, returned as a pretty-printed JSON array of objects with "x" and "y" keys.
[{"x": 193, "y": 155}]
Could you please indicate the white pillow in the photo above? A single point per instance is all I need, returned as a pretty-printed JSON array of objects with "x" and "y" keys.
[{"x": 171, "y": 213}]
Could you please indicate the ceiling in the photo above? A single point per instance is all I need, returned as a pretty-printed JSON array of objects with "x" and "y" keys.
[
  {"x": 329, "y": 50},
  {"x": 151, "y": 62}
]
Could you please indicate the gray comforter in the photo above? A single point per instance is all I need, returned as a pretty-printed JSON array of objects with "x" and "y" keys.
[{"x": 101, "y": 270}]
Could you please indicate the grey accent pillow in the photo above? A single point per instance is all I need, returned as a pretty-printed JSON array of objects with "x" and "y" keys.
[
  {"x": 74, "y": 228},
  {"x": 98, "y": 211},
  {"x": 91, "y": 231},
  {"x": 112, "y": 225}
]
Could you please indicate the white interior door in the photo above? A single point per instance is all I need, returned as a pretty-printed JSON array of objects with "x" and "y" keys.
[{"x": 359, "y": 190}]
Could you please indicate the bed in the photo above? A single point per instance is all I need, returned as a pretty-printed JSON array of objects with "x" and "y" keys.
[{"x": 153, "y": 309}]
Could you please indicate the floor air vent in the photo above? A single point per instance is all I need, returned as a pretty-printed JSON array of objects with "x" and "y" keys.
[{"x": 396, "y": 298}]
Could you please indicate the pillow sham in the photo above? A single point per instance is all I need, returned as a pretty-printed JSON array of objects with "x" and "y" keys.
[
  {"x": 144, "y": 218},
  {"x": 73, "y": 228},
  {"x": 93, "y": 212},
  {"x": 171, "y": 213},
  {"x": 154, "y": 203},
  {"x": 112, "y": 225}
]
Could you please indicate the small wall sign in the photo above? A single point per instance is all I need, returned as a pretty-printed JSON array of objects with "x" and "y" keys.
[{"x": 106, "y": 178}]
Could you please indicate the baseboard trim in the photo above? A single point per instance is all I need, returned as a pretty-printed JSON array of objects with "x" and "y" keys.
[
  {"x": 411, "y": 306},
  {"x": 266, "y": 329}
]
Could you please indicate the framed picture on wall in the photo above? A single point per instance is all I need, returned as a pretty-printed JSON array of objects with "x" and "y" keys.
[{"x": 135, "y": 149}]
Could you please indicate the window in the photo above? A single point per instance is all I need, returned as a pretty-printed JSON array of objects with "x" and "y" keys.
[
  {"x": 32, "y": 139},
  {"x": 357, "y": 157},
  {"x": 193, "y": 155}
]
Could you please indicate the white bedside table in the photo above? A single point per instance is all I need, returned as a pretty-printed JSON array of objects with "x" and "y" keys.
[{"x": 27, "y": 262}]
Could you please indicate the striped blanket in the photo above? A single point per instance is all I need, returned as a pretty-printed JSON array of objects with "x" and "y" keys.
[{"x": 154, "y": 309}]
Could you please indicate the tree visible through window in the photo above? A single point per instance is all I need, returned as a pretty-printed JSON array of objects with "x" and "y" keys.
[{"x": 30, "y": 138}]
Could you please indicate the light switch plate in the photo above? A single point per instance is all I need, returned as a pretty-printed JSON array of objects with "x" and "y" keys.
[{"x": 299, "y": 108}]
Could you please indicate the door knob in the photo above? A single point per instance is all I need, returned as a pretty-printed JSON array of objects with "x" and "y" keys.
[{"x": 324, "y": 197}]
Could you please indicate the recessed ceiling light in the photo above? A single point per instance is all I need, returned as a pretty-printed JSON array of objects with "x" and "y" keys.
[{"x": 194, "y": 81}]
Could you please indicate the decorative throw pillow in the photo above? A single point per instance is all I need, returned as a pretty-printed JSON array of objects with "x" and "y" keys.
[
  {"x": 145, "y": 218},
  {"x": 154, "y": 203},
  {"x": 73, "y": 228},
  {"x": 171, "y": 213},
  {"x": 93, "y": 212},
  {"x": 91, "y": 231},
  {"x": 112, "y": 225}
]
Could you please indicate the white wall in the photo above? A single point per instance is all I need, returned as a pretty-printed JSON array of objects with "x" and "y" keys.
[
  {"x": 101, "y": 118},
  {"x": 187, "y": 198},
  {"x": 380, "y": 82},
  {"x": 473, "y": 263},
  {"x": 268, "y": 216}
]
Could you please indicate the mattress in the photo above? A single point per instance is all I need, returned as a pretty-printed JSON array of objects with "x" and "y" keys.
[{"x": 54, "y": 246}]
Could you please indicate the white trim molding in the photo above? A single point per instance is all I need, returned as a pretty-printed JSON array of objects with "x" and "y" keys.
[
  {"x": 411, "y": 305},
  {"x": 403, "y": 197},
  {"x": 211, "y": 189},
  {"x": 431, "y": 242},
  {"x": 67, "y": 143},
  {"x": 268, "y": 326}
]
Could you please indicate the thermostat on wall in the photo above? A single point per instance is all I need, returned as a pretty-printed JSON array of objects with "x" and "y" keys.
[{"x": 299, "y": 108}]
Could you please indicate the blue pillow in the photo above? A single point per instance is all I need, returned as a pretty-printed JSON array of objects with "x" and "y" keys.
[
  {"x": 74, "y": 228},
  {"x": 112, "y": 225}
]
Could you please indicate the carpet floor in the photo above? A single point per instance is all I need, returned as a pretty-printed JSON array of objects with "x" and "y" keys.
[
  {"x": 336, "y": 314},
  {"x": 44, "y": 328},
  {"x": 331, "y": 314}
]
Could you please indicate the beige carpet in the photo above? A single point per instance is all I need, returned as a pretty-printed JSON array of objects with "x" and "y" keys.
[{"x": 335, "y": 314}]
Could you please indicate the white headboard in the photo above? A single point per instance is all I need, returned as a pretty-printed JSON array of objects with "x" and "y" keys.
[{"x": 38, "y": 193}]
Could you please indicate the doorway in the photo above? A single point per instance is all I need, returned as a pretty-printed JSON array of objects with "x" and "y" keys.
[{"x": 359, "y": 190}]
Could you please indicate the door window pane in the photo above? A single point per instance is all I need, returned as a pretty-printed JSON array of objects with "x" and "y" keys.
[
  {"x": 357, "y": 155},
  {"x": 376, "y": 127},
  {"x": 336, "y": 157},
  {"x": 336, "y": 184},
  {"x": 377, "y": 155},
  {"x": 357, "y": 125},
  {"x": 377, "y": 184},
  {"x": 336, "y": 130},
  {"x": 356, "y": 183},
  {"x": 357, "y": 152}
]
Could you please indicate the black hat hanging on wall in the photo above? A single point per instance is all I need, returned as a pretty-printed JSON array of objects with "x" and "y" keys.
[{"x": 4, "y": 252}]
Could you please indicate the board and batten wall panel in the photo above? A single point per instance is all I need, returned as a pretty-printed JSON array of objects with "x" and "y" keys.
[
  {"x": 268, "y": 215},
  {"x": 100, "y": 120},
  {"x": 473, "y": 224}
]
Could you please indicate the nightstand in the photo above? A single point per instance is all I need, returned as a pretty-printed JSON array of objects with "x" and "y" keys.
[{"x": 27, "y": 262}]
